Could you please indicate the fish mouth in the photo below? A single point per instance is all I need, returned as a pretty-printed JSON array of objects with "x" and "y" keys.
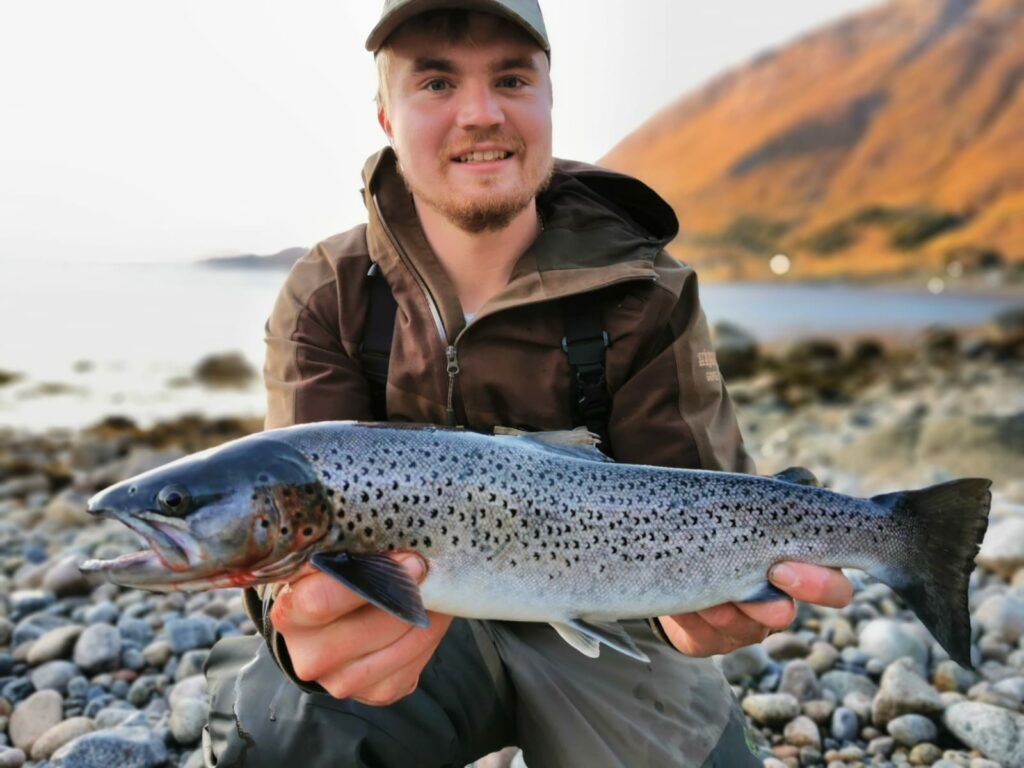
[{"x": 170, "y": 542}]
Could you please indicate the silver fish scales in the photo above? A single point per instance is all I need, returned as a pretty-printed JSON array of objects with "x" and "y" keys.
[{"x": 533, "y": 527}]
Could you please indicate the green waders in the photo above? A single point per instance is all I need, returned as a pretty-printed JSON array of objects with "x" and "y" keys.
[{"x": 489, "y": 685}]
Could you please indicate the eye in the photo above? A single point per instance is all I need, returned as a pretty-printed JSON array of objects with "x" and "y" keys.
[
  {"x": 174, "y": 500},
  {"x": 511, "y": 81},
  {"x": 436, "y": 86}
]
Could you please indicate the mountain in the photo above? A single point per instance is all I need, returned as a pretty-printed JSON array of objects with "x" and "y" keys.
[
  {"x": 889, "y": 143},
  {"x": 280, "y": 260}
]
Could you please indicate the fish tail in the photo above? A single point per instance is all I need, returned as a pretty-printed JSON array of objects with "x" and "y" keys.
[{"x": 947, "y": 523}]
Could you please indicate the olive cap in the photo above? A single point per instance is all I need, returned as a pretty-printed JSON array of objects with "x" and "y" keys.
[{"x": 525, "y": 13}]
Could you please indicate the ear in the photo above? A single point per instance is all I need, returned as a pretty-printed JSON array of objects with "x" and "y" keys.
[{"x": 385, "y": 124}]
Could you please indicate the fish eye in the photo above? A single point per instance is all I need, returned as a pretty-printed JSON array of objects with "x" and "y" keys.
[{"x": 174, "y": 499}]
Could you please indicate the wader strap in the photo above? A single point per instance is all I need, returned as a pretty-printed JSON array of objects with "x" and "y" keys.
[
  {"x": 375, "y": 351},
  {"x": 584, "y": 343}
]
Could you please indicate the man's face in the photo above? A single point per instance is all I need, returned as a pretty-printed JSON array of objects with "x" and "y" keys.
[{"x": 470, "y": 122}]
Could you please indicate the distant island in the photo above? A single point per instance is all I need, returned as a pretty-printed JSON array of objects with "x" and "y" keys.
[{"x": 280, "y": 260}]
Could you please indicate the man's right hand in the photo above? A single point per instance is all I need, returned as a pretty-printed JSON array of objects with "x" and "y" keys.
[{"x": 351, "y": 648}]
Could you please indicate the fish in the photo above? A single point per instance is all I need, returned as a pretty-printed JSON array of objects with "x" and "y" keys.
[{"x": 538, "y": 527}]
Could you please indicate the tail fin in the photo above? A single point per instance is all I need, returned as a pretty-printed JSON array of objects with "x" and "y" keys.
[{"x": 948, "y": 522}]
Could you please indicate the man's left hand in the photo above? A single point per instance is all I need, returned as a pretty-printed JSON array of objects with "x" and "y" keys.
[{"x": 724, "y": 628}]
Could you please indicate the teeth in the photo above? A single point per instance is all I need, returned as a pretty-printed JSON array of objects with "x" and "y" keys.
[{"x": 478, "y": 157}]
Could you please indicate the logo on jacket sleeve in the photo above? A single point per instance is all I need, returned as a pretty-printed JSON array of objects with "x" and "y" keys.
[{"x": 706, "y": 359}]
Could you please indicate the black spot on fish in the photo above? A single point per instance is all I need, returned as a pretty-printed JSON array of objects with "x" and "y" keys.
[{"x": 307, "y": 531}]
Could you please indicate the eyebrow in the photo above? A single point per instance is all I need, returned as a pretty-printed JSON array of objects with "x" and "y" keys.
[{"x": 432, "y": 64}]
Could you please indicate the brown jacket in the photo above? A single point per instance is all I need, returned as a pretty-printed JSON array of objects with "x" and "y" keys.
[{"x": 604, "y": 233}]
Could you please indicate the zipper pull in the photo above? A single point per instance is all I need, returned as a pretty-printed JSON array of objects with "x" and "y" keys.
[{"x": 453, "y": 370}]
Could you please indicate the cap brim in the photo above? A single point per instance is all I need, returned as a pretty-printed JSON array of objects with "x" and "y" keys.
[{"x": 398, "y": 17}]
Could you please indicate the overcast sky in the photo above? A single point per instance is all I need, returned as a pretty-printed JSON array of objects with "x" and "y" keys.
[{"x": 174, "y": 130}]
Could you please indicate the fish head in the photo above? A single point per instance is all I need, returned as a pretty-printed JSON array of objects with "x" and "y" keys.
[{"x": 245, "y": 513}]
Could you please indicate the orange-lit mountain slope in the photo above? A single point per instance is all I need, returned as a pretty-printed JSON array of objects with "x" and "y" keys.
[{"x": 891, "y": 142}]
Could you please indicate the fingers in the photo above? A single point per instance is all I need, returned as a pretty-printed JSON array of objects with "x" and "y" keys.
[
  {"x": 812, "y": 583},
  {"x": 391, "y": 672},
  {"x": 317, "y": 599},
  {"x": 316, "y": 652}
]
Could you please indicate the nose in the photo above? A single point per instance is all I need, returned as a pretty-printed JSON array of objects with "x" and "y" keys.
[{"x": 479, "y": 107}]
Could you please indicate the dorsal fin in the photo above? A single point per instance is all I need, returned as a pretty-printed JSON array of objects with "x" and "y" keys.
[{"x": 576, "y": 443}]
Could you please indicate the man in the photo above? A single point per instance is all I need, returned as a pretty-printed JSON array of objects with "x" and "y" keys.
[{"x": 483, "y": 241}]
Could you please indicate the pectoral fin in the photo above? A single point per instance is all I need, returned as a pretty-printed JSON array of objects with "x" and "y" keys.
[
  {"x": 377, "y": 579},
  {"x": 587, "y": 636}
]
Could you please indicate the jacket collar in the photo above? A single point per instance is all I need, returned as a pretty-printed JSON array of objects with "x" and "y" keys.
[{"x": 600, "y": 228}]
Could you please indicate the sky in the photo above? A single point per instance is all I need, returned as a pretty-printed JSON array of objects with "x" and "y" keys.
[{"x": 177, "y": 130}]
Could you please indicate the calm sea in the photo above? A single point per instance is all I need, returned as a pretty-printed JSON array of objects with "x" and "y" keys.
[{"x": 122, "y": 338}]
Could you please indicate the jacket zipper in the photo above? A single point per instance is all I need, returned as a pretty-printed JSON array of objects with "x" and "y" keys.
[{"x": 451, "y": 355}]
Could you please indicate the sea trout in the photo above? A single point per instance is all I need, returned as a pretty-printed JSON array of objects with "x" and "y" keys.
[{"x": 534, "y": 527}]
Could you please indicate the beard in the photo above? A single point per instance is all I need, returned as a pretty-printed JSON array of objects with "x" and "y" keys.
[{"x": 487, "y": 211}]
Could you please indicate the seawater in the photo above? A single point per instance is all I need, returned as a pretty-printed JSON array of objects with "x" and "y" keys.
[{"x": 125, "y": 338}]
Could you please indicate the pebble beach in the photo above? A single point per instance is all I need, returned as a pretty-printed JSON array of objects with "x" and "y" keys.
[{"x": 95, "y": 675}]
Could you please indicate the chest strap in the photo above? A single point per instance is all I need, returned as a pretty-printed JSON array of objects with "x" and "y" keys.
[
  {"x": 378, "y": 330},
  {"x": 584, "y": 343}
]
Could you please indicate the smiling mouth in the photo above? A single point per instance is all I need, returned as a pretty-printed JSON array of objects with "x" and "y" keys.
[{"x": 483, "y": 157}]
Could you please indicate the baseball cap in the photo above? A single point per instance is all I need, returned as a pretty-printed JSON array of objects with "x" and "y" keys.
[{"x": 525, "y": 13}]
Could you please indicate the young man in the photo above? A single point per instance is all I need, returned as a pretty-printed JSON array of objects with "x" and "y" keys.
[{"x": 486, "y": 245}]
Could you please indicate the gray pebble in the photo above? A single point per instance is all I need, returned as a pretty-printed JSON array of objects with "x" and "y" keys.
[
  {"x": 771, "y": 708},
  {"x": 191, "y": 663},
  {"x": 98, "y": 648},
  {"x": 102, "y": 613},
  {"x": 799, "y": 680},
  {"x": 113, "y": 715},
  {"x": 841, "y": 683},
  {"x": 187, "y": 720},
  {"x": 192, "y": 632},
  {"x": 1002, "y": 615},
  {"x": 912, "y": 729},
  {"x": 904, "y": 691},
  {"x": 11, "y": 757},
  {"x": 995, "y": 732},
  {"x": 54, "y": 675},
  {"x": 744, "y": 663},
  {"x": 125, "y": 748},
  {"x": 135, "y": 630},
  {"x": 844, "y": 725},
  {"x": 55, "y": 644},
  {"x": 27, "y": 601}
]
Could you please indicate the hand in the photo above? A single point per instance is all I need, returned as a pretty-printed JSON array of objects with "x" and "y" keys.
[
  {"x": 724, "y": 628},
  {"x": 351, "y": 648}
]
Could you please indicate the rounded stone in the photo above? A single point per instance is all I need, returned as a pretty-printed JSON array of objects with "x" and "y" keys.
[
  {"x": 98, "y": 648},
  {"x": 842, "y": 683},
  {"x": 996, "y": 733},
  {"x": 102, "y": 613},
  {"x": 191, "y": 663},
  {"x": 802, "y": 732},
  {"x": 912, "y": 729},
  {"x": 54, "y": 675},
  {"x": 33, "y": 717},
  {"x": 157, "y": 653},
  {"x": 924, "y": 754},
  {"x": 191, "y": 632},
  {"x": 55, "y": 644},
  {"x": 887, "y": 640},
  {"x": 771, "y": 708},
  {"x": 1002, "y": 615},
  {"x": 950, "y": 676},
  {"x": 187, "y": 720},
  {"x": 59, "y": 735},
  {"x": 11, "y": 757},
  {"x": 190, "y": 688},
  {"x": 783, "y": 646},
  {"x": 903, "y": 691},
  {"x": 123, "y": 747},
  {"x": 799, "y": 680},
  {"x": 1002, "y": 550},
  {"x": 744, "y": 663},
  {"x": 64, "y": 578},
  {"x": 845, "y": 724}
]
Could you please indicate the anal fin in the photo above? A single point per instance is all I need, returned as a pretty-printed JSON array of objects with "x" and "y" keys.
[
  {"x": 588, "y": 636},
  {"x": 377, "y": 579}
]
